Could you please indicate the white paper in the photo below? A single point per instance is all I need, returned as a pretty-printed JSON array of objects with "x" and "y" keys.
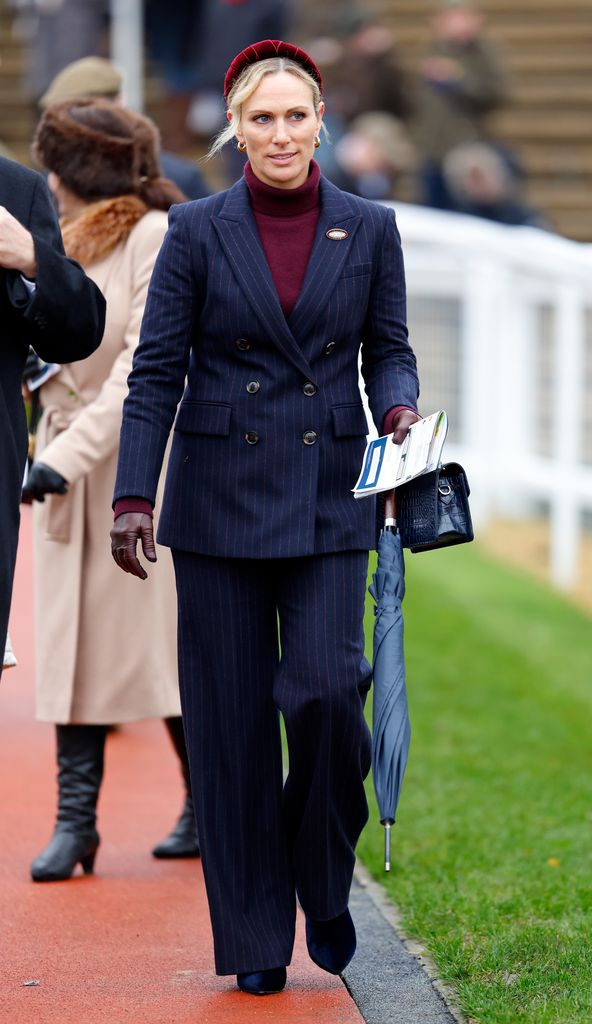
[{"x": 387, "y": 465}]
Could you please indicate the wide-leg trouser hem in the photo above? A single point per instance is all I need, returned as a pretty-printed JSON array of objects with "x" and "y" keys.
[
  {"x": 224, "y": 970},
  {"x": 262, "y": 841}
]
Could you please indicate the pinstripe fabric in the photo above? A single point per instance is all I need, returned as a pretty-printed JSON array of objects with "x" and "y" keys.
[
  {"x": 258, "y": 843},
  {"x": 211, "y": 287},
  {"x": 213, "y": 324}
]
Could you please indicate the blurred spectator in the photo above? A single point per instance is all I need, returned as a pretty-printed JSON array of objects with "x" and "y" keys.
[
  {"x": 361, "y": 70},
  {"x": 105, "y": 172},
  {"x": 226, "y": 28},
  {"x": 374, "y": 153},
  {"x": 173, "y": 28},
  {"x": 461, "y": 82},
  {"x": 362, "y": 76},
  {"x": 481, "y": 183},
  {"x": 59, "y": 32},
  {"x": 312, "y": 20},
  {"x": 97, "y": 78}
]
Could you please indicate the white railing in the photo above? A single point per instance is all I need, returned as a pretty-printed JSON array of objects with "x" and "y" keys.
[{"x": 501, "y": 321}]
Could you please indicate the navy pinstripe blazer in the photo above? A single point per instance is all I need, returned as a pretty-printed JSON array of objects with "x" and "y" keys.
[{"x": 270, "y": 431}]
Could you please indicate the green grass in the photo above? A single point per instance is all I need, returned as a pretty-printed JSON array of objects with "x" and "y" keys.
[{"x": 492, "y": 847}]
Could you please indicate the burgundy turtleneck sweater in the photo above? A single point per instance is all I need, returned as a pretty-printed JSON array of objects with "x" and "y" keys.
[{"x": 287, "y": 220}]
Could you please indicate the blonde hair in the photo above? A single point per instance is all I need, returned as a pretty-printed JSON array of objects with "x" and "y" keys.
[{"x": 245, "y": 86}]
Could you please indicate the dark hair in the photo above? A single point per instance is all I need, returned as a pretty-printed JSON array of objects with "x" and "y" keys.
[
  {"x": 157, "y": 192},
  {"x": 160, "y": 193},
  {"x": 100, "y": 150}
]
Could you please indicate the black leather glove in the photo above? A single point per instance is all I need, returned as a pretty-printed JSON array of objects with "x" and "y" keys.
[{"x": 42, "y": 480}]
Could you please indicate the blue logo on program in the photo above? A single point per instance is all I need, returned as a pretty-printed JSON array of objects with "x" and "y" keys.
[{"x": 373, "y": 463}]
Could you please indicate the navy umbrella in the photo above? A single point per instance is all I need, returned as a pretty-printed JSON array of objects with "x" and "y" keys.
[{"x": 391, "y": 728}]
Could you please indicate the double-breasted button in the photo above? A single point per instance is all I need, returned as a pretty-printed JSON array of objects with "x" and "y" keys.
[
  {"x": 252, "y": 437},
  {"x": 309, "y": 437},
  {"x": 242, "y": 344},
  {"x": 309, "y": 389},
  {"x": 253, "y": 387},
  {"x": 329, "y": 347}
]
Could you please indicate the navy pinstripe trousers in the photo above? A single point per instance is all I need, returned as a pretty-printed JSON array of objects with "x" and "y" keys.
[{"x": 263, "y": 842}]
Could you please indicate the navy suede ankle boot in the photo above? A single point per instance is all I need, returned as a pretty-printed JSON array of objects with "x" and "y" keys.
[
  {"x": 262, "y": 983},
  {"x": 331, "y": 944}
]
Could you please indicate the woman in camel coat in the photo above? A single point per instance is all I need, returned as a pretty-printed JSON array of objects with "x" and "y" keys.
[{"x": 105, "y": 175}]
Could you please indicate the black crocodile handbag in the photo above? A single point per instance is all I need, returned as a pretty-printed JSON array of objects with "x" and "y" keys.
[{"x": 433, "y": 510}]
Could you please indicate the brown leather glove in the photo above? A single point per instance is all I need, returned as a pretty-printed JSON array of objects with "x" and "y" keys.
[
  {"x": 401, "y": 423},
  {"x": 128, "y": 529}
]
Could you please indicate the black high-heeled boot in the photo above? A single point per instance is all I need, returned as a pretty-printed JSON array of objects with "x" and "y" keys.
[
  {"x": 80, "y": 757},
  {"x": 182, "y": 841}
]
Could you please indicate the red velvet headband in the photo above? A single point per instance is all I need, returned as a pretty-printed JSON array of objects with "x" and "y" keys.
[{"x": 269, "y": 48}]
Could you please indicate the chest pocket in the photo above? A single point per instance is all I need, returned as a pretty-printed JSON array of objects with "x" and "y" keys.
[
  {"x": 356, "y": 270},
  {"x": 211, "y": 418}
]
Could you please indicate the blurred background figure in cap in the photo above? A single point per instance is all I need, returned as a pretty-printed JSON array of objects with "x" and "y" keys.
[
  {"x": 86, "y": 78},
  {"x": 97, "y": 78},
  {"x": 461, "y": 82}
]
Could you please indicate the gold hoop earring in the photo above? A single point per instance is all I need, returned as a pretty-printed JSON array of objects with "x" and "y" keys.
[
  {"x": 242, "y": 148},
  {"x": 317, "y": 141}
]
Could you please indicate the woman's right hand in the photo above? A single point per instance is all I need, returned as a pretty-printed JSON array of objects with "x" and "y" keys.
[{"x": 128, "y": 529}]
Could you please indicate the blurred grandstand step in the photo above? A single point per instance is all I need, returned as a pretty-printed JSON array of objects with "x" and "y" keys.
[
  {"x": 516, "y": 8},
  {"x": 517, "y": 125},
  {"x": 566, "y": 205},
  {"x": 572, "y": 94},
  {"x": 546, "y": 47},
  {"x": 17, "y": 115},
  {"x": 575, "y": 224},
  {"x": 550, "y": 61},
  {"x": 546, "y": 161},
  {"x": 522, "y": 32}
]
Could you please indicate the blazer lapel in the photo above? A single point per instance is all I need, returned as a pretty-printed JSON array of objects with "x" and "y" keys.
[
  {"x": 237, "y": 231},
  {"x": 327, "y": 259}
]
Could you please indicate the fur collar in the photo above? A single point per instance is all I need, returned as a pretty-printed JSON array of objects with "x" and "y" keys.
[{"x": 89, "y": 237}]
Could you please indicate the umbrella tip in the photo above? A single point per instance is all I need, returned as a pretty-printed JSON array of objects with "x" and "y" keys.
[{"x": 387, "y": 845}]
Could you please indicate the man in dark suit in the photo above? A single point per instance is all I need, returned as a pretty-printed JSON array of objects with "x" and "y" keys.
[{"x": 46, "y": 301}]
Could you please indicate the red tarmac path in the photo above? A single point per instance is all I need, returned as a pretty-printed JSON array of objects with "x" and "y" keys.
[{"x": 131, "y": 943}]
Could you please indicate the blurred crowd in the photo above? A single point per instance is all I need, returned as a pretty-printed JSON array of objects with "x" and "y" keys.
[{"x": 419, "y": 133}]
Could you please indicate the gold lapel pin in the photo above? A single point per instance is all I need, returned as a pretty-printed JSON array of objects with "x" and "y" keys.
[{"x": 337, "y": 234}]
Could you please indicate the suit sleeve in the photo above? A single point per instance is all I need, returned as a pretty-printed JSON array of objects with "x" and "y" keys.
[
  {"x": 160, "y": 364},
  {"x": 94, "y": 434},
  {"x": 389, "y": 367},
  {"x": 66, "y": 312}
]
